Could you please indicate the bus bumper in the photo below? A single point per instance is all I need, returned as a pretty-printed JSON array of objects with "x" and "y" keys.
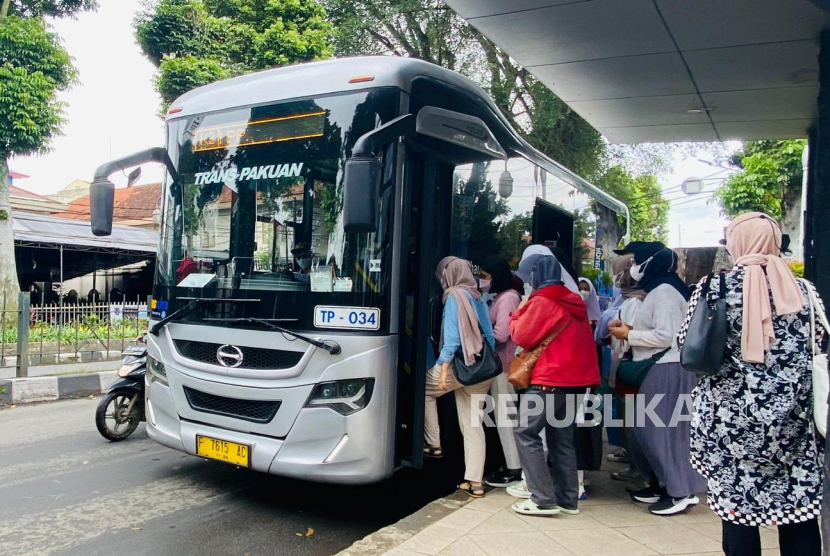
[{"x": 322, "y": 445}]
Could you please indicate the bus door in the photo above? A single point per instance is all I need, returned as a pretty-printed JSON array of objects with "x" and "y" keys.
[
  {"x": 426, "y": 237},
  {"x": 553, "y": 226}
]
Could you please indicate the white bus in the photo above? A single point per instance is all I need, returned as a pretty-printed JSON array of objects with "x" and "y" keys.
[{"x": 304, "y": 211}]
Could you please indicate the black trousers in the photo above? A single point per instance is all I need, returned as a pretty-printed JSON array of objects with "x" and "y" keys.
[{"x": 797, "y": 539}]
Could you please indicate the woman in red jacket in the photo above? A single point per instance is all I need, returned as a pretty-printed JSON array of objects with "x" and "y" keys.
[{"x": 565, "y": 369}]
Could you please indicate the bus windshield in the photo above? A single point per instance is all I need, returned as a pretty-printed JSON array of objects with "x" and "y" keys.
[{"x": 257, "y": 212}]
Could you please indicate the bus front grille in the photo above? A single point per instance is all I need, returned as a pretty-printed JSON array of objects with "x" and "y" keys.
[
  {"x": 257, "y": 411},
  {"x": 252, "y": 358}
]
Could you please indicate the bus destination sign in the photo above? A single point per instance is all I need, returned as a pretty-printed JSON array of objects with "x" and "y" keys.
[{"x": 258, "y": 132}]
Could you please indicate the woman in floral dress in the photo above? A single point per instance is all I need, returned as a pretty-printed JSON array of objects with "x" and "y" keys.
[{"x": 753, "y": 435}]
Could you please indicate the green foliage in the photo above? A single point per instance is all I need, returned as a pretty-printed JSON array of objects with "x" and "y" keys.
[
  {"x": 644, "y": 197},
  {"x": 429, "y": 30},
  {"x": 594, "y": 274},
  {"x": 88, "y": 328},
  {"x": 513, "y": 234},
  {"x": 50, "y": 8},
  {"x": 772, "y": 171},
  {"x": 194, "y": 42},
  {"x": 797, "y": 268},
  {"x": 34, "y": 67},
  {"x": 180, "y": 74}
]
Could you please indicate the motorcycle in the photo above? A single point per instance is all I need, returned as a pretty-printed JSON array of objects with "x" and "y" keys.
[{"x": 122, "y": 408}]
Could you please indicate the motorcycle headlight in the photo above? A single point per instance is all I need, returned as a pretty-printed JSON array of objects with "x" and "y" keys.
[
  {"x": 128, "y": 368},
  {"x": 343, "y": 396},
  {"x": 156, "y": 371}
]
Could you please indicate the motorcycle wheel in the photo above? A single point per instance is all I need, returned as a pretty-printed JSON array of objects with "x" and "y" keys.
[{"x": 111, "y": 416}]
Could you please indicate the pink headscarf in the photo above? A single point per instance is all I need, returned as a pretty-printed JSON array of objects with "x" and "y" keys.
[
  {"x": 457, "y": 280},
  {"x": 754, "y": 241}
]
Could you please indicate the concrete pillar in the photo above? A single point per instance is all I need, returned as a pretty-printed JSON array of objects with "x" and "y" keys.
[{"x": 817, "y": 230}]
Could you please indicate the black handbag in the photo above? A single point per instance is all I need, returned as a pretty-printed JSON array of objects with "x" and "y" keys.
[
  {"x": 705, "y": 345},
  {"x": 634, "y": 373},
  {"x": 486, "y": 366}
]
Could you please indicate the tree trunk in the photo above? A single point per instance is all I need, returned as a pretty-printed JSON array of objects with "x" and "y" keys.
[
  {"x": 9, "y": 286},
  {"x": 4, "y": 8},
  {"x": 791, "y": 221},
  {"x": 612, "y": 233}
]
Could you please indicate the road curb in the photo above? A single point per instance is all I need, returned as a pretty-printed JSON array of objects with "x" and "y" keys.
[
  {"x": 389, "y": 537},
  {"x": 50, "y": 388}
]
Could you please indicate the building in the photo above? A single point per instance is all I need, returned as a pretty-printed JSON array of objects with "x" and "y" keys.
[
  {"x": 22, "y": 200},
  {"x": 75, "y": 190},
  {"x": 133, "y": 206}
]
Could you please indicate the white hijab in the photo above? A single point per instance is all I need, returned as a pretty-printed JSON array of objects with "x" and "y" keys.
[{"x": 570, "y": 283}]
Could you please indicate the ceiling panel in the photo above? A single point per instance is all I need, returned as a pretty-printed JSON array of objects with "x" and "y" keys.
[
  {"x": 469, "y": 9},
  {"x": 697, "y": 24},
  {"x": 772, "y": 129},
  {"x": 649, "y": 75},
  {"x": 792, "y": 103},
  {"x": 660, "y": 134},
  {"x": 634, "y": 112},
  {"x": 580, "y": 31},
  {"x": 760, "y": 66}
]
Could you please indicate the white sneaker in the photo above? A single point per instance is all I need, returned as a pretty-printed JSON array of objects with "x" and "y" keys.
[{"x": 519, "y": 490}]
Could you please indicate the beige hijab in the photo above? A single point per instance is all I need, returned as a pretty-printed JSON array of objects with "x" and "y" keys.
[
  {"x": 621, "y": 266},
  {"x": 754, "y": 241},
  {"x": 456, "y": 278}
]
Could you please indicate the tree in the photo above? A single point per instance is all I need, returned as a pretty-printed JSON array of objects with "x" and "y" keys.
[
  {"x": 34, "y": 67},
  {"x": 429, "y": 30},
  {"x": 196, "y": 42},
  {"x": 514, "y": 234},
  {"x": 770, "y": 182},
  {"x": 644, "y": 198},
  {"x": 49, "y": 8}
]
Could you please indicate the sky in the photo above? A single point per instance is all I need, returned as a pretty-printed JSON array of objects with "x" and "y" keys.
[{"x": 113, "y": 111}]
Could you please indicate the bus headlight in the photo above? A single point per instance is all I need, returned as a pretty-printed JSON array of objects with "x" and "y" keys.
[
  {"x": 343, "y": 396},
  {"x": 156, "y": 371}
]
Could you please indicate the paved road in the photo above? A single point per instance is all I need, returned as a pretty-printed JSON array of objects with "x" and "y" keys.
[{"x": 66, "y": 490}]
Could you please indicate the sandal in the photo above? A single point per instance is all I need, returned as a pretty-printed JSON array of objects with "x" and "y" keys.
[
  {"x": 434, "y": 452},
  {"x": 472, "y": 490},
  {"x": 529, "y": 507}
]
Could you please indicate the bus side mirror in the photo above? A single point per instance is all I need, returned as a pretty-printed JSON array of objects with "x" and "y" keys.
[
  {"x": 101, "y": 199},
  {"x": 361, "y": 183}
]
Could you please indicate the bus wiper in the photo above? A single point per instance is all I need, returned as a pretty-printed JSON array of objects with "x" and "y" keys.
[
  {"x": 189, "y": 308},
  {"x": 329, "y": 345}
]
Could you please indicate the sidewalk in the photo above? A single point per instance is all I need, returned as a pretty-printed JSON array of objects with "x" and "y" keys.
[{"x": 609, "y": 524}]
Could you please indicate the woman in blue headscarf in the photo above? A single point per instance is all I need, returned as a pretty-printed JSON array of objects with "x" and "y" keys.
[{"x": 663, "y": 454}]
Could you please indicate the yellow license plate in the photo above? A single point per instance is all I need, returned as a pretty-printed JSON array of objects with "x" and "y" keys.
[{"x": 223, "y": 450}]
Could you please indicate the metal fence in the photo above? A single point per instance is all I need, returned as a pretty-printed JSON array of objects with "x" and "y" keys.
[{"x": 53, "y": 334}]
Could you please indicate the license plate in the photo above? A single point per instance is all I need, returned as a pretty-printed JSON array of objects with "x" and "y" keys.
[
  {"x": 223, "y": 450},
  {"x": 363, "y": 318}
]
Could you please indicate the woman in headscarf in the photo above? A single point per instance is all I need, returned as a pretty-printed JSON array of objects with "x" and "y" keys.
[
  {"x": 753, "y": 435},
  {"x": 662, "y": 454},
  {"x": 566, "y": 367},
  {"x": 497, "y": 279},
  {"x": 465, "y": 317},
  {"x": 630, "y": 297},
  {"x": 589, "y": 295},
  {"x": 568, "y": 279}
]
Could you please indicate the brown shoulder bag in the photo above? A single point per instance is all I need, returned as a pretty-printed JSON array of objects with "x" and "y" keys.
[{"x": 521, "y": 368}]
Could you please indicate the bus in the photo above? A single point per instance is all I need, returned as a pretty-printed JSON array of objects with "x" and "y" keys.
[{"x": 304, "y": 211}]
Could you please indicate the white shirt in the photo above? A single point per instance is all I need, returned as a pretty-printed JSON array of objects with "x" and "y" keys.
[{"x": 657, "y": 323}]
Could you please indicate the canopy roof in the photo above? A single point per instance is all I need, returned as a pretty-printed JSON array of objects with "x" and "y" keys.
[
  {"x": 35, "y": 230},
  {"x": 668, "y": 70}
]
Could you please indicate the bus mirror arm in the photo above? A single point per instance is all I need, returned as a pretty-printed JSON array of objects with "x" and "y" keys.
[
  {"x": 102, "y": 190},
  {"x": 369, "y": 144},
  {"x": 364, "y": 172}
]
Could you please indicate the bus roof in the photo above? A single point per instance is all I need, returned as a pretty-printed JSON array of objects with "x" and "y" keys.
[{"x": 333, "y": 76}]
